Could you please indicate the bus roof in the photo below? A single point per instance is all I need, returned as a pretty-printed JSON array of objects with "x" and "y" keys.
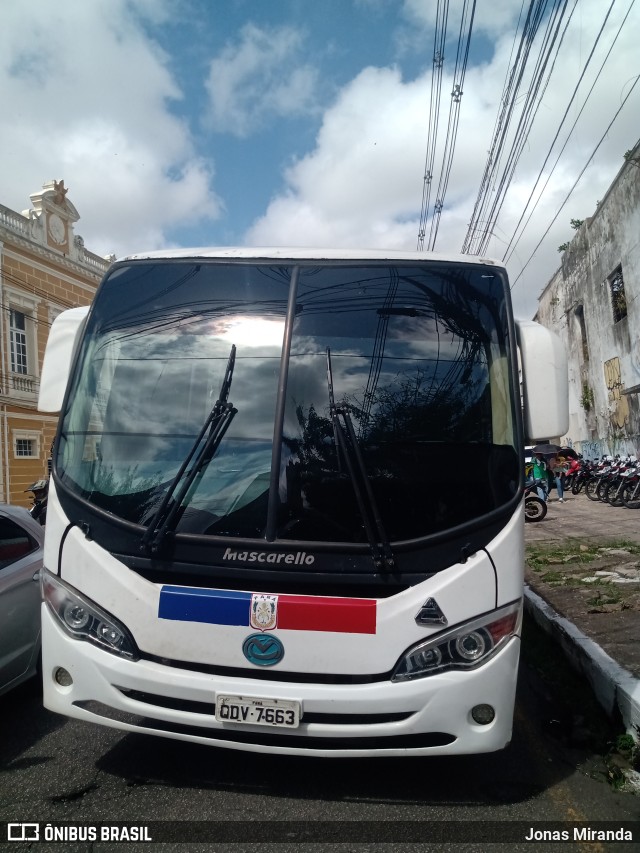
[{"x": 297, "y": 253}]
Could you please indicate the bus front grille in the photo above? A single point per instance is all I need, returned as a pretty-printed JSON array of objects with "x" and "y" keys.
[{"x": 269, "y": 738}]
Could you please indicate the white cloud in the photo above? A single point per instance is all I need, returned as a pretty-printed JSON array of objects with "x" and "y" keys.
[
  {"x": 89, "y": 97},
  {"x": 259, "y": 77},
  {"x": 361, "y": 186},
  {"x": 502, "y": 16},
  {"x": 359, "y": 178}
]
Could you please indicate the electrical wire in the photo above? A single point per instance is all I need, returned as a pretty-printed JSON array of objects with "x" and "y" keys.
[
  {"x": 494, "y": 188},
  {"x": 583, "y": 170},
  {"x": 508, "y": 253},
  {"x": 533, "y": 101},
  {"x": 440, "y": 34},
  {"x": 462, "y": 56},
  {"x": 509, "y": 94}
]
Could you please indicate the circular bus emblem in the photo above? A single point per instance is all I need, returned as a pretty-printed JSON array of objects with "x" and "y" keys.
[{"x": 263, "y": 649}]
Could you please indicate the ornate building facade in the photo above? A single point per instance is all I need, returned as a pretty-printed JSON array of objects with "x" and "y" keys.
[{"x": 44, "y": 269}]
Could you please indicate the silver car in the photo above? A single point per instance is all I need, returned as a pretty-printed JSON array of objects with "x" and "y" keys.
[{"x": 21, "y": 543}]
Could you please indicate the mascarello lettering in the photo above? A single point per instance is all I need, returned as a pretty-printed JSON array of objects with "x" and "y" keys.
[{"x": 297, "y": 558}]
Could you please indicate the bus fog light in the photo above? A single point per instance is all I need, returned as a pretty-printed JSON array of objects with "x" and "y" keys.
[
  {"x": 483, "y": 714},
  {"x": 62, "y": 677}
]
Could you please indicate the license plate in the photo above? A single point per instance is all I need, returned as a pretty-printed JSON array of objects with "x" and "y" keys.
[{"x": 278, "y": 713}]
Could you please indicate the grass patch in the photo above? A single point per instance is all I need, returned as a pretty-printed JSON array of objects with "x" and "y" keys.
[
  {"x": 538, "y": 557},
  {"x": 604, "y": 598},
  {"x": 553, "y": 577},
  {"x": 574, "y": 565},
  {"x": 558, "y": 579},
  {"x": 623, "y": 756},
  {"x": 626, "y": 745}
]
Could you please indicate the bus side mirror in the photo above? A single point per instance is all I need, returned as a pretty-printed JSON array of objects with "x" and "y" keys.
[
  {"x": 58, "y": 356},
  {"x": 545, "y": 382}
]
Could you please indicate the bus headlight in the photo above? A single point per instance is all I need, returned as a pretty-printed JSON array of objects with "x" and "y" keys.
[
  {"x": 84, "y": 620},
  {"x": 465, "y": 646}
]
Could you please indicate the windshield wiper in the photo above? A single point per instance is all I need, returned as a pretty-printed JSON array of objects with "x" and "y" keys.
[
  {"x": 201, "y": 453},
  {"x": 347, "y": 442}
]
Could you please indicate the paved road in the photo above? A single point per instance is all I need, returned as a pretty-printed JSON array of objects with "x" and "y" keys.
[
  {"x": 589, "y": 521},
  {"x": 55, "y": 769}
]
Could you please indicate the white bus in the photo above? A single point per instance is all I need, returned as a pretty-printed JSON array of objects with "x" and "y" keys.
[{"x": 285, "y": 512}]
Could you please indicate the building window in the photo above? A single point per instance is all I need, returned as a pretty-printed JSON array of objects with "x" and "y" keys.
[
  {"x": 22, "y": 359},
  {"x": 18, "y": 337},
  {"x": 26, "y": 445},
  {"x": 618, "y": 297},
  {"x": 583, "y": 331}
]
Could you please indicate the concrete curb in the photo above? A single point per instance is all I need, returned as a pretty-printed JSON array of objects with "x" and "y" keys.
[{"x": 616, "y": 689}]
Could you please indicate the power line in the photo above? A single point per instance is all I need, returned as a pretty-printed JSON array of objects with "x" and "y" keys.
[
  {"x": 508, "y": 253},
  {"x": 584, "y": 168},
  {"x": 14, "y": 281},
  {"x": 462, "y": 56},
  {"x": 485, "y": 210},
  {"x": 439, "y": 39},
  {"x": 509, "y": 94},
  {"x": 532, "y": 105}
]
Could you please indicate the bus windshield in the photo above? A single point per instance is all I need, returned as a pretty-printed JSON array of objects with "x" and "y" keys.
[{"x": 357, "y": 390}]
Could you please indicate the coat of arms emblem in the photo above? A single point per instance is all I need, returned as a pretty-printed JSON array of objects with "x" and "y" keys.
[{"x": 264, "y": 611}]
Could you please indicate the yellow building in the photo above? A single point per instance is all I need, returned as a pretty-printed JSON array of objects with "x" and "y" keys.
[{"x": 44, "y": 268}]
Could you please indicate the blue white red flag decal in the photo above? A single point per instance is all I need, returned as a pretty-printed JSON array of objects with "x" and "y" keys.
[{"x": 266, "y": 612}]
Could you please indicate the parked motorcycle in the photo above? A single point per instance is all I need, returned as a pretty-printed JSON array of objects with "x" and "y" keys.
[
  {"x": 38, "y": 510},
  {"x": 582, "y": 476},
  {"x": 630, "y": 494},
  {"x": 599, "y": 477},
  {"x": 611, "y": 479},
  {"x": 575, "y": 465},
  {"x": 535, "y": 508},
  {"x": 612, "y": 492}
]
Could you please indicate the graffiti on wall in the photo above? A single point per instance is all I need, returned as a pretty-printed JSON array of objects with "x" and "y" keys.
[
  {"x": 618, "y": 404},
  {"x": 592, "y": 449}
]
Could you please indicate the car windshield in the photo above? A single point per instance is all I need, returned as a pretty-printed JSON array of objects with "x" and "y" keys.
[{"x": 415, "y": 356}]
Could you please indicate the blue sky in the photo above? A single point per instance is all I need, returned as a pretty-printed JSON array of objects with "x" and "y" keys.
[
  {"x": 286, "y": 122},
  {"x": 267, "y": 43}
]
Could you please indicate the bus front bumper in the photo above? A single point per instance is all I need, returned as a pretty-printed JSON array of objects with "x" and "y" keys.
[{"x": 425, "y": 716}]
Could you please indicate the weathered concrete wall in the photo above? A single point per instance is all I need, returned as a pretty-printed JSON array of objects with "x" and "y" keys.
[{"x": 603, "y": 349}]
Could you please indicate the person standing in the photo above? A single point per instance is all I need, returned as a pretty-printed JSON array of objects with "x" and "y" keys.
[
  {"x": 558, "y": 467},
  {"x": 540, "y": 476}
]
